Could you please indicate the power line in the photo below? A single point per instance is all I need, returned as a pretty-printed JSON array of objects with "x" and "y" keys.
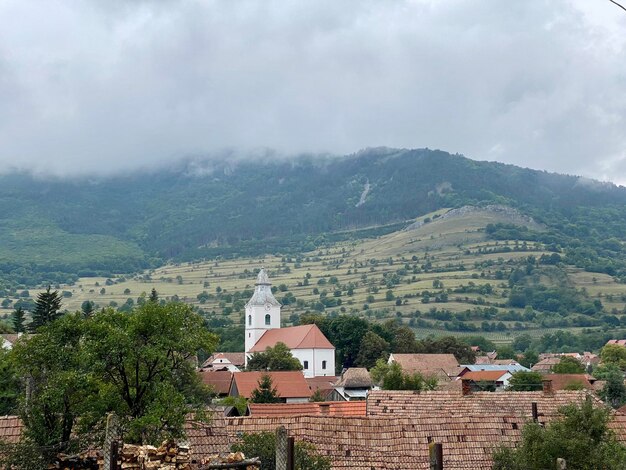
[{"x": 615, "y": 3}]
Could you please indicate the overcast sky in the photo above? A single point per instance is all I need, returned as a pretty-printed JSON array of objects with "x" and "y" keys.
[{"x": 105, "y": 86}]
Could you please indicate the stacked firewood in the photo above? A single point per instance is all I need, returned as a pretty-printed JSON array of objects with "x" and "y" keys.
[{"x": 168, "y": 456}]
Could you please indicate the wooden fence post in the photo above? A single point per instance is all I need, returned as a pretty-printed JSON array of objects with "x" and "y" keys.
[
  {"x": 435, "y": 450},
  {"x": 282, "y": 449}
]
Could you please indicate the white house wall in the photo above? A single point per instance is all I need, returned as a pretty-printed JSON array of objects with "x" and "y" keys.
[{"x": 315, "y": 357}]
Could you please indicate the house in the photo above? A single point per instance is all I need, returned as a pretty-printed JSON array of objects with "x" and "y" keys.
[
  {"x": 618, "y": 342},
  {"x": 443, "y": 366},
  {"x": 354, "y": 384},
  {"x": 290, "y": 385},
  {"x": 324, "y": 384},
  {"x": 571, "y": 381},
  {"x": 8, "y": 340},
  {"x": 327, "y": 408},
  {"x": 218, "y": 380},
  {"x": 587, "y": 359},
  {"x": 488, "y": 380},
  {"x": 545, "y": 366},
  {"x": 399, "y": 427},
  {"x": 306, "y": 342},
  {"x": 232, "y": 362},
  {"x": 512, "y": 368}
]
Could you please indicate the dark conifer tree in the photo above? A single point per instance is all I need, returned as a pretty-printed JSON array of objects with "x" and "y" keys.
[
  {"x": 87, "y": 308},
  {"x": 265, "y": 392},
  {"x": 154, "y": 295},
  {"x": 18, "y": 318},
  {"x": 47, "y": 309}
]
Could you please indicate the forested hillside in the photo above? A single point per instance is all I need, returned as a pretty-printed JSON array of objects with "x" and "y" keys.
[{"x": 54, "y": 230}]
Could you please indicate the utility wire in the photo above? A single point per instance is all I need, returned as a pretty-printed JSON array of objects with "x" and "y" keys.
[{"x": 615, "y": 3}]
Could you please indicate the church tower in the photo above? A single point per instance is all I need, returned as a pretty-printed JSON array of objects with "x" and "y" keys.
[{"x": 262, "y": 311}]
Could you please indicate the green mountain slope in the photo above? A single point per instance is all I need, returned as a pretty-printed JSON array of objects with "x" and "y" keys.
[{"x": 203, "y": 209}]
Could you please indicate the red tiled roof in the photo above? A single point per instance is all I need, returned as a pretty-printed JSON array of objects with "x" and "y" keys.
[
  {"x": 428, "y": 364},
  {"x": 323, "y": 384},
  {"x": 329, "y": 408},
  {"x": 401, "y": 440},
  {"x": 561, "y": 381},
  {"x": 10, "y": 429},
  {"x": 219, "y": 380},
  {"x": 288, "y": 384},
  {"x": 235, "y": 358},
  {"x": 619, "y": 342},
  {"x": 546, "y": 365},
  {"x": 295, "y": 337},
  {"x": 485, "y": 375}
]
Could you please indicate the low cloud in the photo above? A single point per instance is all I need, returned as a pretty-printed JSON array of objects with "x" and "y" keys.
[{"x": 112, "y": 86}]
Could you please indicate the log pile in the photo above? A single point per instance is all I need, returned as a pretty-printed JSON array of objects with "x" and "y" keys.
[{"x": 168, "y": 456}]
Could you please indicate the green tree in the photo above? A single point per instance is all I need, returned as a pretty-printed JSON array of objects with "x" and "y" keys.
[
  {"x": 614, "y": 354},
  {"x": 18, "y": 319},
  {"x": 506, "y": 352},
  {"x": 10, "y": 386},
  {"x": 265, "y": 391},
  {"x": 392, "y": 377},
  {"x": 154, "y": 295},
  {"x": 522, "y": 342},
  {"x": 581, "y": 435},
  {"x": 263, "y": 445},
  {"x": 87, "y": 307},
  {"x": 46, "y": 309},
  {"x": 278, "y": 357},
  {"x": 317, "y": 396},
  {"x": 448, "y": 345},
  {"x": 523, "y": 381},
  {"x": 136, "y": 364},
  {"x": 614, "y": 391},
  {"x": 568, "y": 365},
  {"x": 604, "y": 371},
  {"x": 372, "y": 348},
  {"x": 529, "y": 358}
]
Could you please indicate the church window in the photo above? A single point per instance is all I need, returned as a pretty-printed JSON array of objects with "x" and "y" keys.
[
  {"x": 249, "y": 320},
  {"x": 323, "y": 365},
  {"x": 267, "y": 319},
  {"x": 306, "y": 364}
]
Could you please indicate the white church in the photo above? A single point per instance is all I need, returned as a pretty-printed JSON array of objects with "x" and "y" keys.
[{"x": 306, "y": 342}]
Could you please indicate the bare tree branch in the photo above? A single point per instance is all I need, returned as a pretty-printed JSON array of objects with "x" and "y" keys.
[{"x": 615, "y": 3}]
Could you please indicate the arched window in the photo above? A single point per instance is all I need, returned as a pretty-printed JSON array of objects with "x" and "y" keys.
[
  {"x": 306, "y": 365},
  {"x": 267, "y": 319},
  {"x": 249, "y": 320},
  {"x": 323, "y": 365}
]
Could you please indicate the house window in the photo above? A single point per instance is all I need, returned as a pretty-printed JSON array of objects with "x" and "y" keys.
[
  {"x": 249, "y": 320},
  {"x": 323, "y": 365},
  {"x": 267, "y": 319},
  {"x": 306, "y": 364}
]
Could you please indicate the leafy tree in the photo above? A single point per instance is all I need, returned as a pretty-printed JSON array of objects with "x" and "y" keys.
[
  {"x": 135, "y": 364},
  {"x": 614, "y": 354},
  {"x": 238, "y": 402},
  {"x": 614, "y": 391},
  {"x": 522, "y": 342},
  {"x": 448, "y": 345},
  {"x": 46, "y": 309},
  {"x": 263, "y": 445},
  {"x": 506, "y": 352},
  {"x": 18, "y": 318},
  {"x": 523, "y": 381},
  {"x": 483, "y": 343},
  {"x": 143, "y": 361},
  {"x": 568, "y": 365},
  {"x": 265, "y": 392},
  {"x": 392, "y": 377},
  {"x": 529, "y": 358},
  {"x": 10, "y": 386},
  {"x": 87, "y": 307},
  {"x": 604, "y": 371},
  {"x": 581, "y": 435},
  {"x": 372, "y": 348},
  {"x": 403, "y": 341},
  {"x": 278, "y": 357},
  {"x": 317, "y": 396}
]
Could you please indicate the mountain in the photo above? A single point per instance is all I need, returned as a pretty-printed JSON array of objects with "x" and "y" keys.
[{"x": 52, "y": 230}]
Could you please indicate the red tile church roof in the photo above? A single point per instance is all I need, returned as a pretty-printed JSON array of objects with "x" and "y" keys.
[{"x": 295, "y": 337}]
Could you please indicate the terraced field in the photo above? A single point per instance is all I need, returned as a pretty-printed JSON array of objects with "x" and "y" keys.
[{"x": 444, "y": 265}]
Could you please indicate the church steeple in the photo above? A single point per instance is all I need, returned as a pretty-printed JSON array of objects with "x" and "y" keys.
[{"x": 262, "y": 311}]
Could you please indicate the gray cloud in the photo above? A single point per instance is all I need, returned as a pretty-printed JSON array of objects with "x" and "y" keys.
[{"x": 112, "y": 85}]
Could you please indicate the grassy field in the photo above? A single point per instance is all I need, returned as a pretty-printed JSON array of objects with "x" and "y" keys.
[{"x": 439, "y": 257}]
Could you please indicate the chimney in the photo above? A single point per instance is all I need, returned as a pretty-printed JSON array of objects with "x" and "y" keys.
[
  {"x": 466, "y": 387},
  {"x": 324, "y": 408},
  {"x": 547, "y": 386}
]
